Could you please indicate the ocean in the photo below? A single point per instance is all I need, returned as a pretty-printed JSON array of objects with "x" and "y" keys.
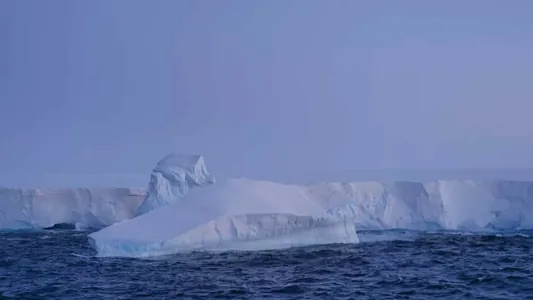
[{"x": 60, "y": 264}]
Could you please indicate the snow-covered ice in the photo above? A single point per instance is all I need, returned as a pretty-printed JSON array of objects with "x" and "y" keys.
[
  {"x": 236, "y": 214},
  {"x": 42, "y": 208},
  {"x": 172, "y": 178},
  {"x": 450, "y": 205}
]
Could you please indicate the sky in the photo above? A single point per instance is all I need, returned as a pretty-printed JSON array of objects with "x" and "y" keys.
[{"x": 96, "y": 92}]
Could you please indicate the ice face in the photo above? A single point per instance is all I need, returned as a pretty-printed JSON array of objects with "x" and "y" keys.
[
  {"x": 450, "y": 204},
  {"x": 172, "y": 178},
  {"x": 232, "y": 232},
  {"x": 84, "y": 208}
]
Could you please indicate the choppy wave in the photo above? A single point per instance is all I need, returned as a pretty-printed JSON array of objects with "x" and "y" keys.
[{"x": 389, "y": 264}]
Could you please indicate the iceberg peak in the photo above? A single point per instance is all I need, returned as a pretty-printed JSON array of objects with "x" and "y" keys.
[{"x": 171, "y": 179}]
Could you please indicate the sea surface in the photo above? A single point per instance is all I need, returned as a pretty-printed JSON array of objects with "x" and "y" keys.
[{"x": 59, "y": 264}]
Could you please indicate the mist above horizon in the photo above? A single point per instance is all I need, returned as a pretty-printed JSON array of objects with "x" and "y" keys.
[
  {"x": 141, "y": 181},
  {"x": 94, "y": 93}
]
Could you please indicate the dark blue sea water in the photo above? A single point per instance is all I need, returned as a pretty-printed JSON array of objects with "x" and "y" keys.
[{"x": 59, "y": 264}]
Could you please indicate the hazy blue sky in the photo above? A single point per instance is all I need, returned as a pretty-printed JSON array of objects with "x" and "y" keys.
[{"x": 95, "y": 92}]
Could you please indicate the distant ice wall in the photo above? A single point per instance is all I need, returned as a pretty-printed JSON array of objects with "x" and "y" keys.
[
  {"x": 450, "y": 204},
  {"x": 42, "y": 208}
]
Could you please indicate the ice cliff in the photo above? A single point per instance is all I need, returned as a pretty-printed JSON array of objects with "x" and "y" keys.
[
  {"x": 42, "y": 208},
  {"x": 451, "y": 205}
]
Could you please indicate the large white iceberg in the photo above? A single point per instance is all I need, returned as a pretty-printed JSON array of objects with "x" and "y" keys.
[
  {"x": 236, "y": 214},
  {"x": 42, "y": 208},
  {"x": 172, "y": 178}
]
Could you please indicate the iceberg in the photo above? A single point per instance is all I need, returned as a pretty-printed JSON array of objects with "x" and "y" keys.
[
  {"x": 235, "y": 214},
  {"x": 23, "y": 209},
  {"x": 172, "y": 178}
]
